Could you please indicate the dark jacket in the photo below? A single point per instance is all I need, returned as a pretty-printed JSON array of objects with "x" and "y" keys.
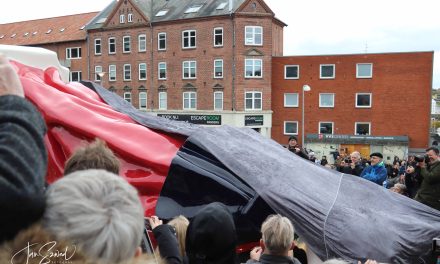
[
  {"x": 413, "y": 182},
  {"x": 376, "y": 173},
  {"x": 272, "y": 259},
  {"x": 300, "y": 153},
  {"x": 23, "y": 164},
  {"x": 357, "y": 170},
  {"x": 429, "y": 192},
  {"x": 167, "y": 244}
]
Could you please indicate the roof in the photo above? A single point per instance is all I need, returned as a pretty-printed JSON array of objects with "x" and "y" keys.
[{"x": 45, "y": 31}]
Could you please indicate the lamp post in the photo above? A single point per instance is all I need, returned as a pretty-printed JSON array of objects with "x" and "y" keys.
[
  {"x": 101, "y": 77},
  {"x": 306, "y": 88}
]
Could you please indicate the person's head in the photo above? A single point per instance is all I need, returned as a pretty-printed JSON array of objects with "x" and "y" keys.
[
  {"x": 375, "y": 158},
  {"x": 433, "y": 154},
  {"x": 410, "y": 169},
  {"x": 293, "y": 141},
  {"x": 96, "y": 155},
  {"x": 435, "y": 143},
  {"x": 324, "y": 157},
  {"x": 211, "y": 236},
  {"x": 355, "y": 156},
  {"x": 398, "y": 188},
  {"x": 98, "y": 211},
  {"x": 180, "y": 224},
  {"x": 277, "y": 235}
]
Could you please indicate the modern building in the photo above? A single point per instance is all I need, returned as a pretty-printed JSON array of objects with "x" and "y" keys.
[{"x": 365, "y": 102}]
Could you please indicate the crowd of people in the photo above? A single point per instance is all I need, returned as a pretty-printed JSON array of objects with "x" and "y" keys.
[{"x": 92, "y": 215}]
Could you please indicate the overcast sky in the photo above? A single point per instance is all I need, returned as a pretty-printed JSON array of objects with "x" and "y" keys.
[{"x": 315, "y": 27}]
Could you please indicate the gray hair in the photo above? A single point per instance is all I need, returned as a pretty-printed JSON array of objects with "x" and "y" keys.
[
  {"x": 277, "y": 234},
  {"x": 356, "y": 154},
  {"x": 97, "y": 210},
  {"x": 336, "y": 261}
]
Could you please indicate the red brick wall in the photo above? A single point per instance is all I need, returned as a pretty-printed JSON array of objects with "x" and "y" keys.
[{"x": 400, "y": 87}]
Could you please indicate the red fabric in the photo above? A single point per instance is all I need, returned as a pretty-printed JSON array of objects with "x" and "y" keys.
[{"x": 75, "y": 115}]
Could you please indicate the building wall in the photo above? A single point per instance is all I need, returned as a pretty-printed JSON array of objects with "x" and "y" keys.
[{"x": 400, "y": 87}]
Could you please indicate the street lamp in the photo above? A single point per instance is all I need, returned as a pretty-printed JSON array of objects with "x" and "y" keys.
[
  {"x": 101, "y": 77},
  {"x": 306, "y": 88}
]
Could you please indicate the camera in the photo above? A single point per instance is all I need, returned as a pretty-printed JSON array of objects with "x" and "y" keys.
[{"x": 420, "y": 158}]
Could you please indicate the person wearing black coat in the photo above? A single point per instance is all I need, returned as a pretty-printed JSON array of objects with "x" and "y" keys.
[{"x": 294, "y": 147}]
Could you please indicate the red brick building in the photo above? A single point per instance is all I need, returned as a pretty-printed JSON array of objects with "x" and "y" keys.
[{"x": 364, "y": 102}]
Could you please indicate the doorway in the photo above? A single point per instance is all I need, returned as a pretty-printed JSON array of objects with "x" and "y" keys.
[{"x": 363, "y": 149}]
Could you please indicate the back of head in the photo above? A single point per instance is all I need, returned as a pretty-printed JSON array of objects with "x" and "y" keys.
[
  {"x": 211, "y": 236},
  {"x": 335, "y": 261},
  {"x": 180, "y": 224},
  {"x": 96, "y": 155},
  {"x": 277, "y": 234},
  {"x": 97, "y": 210}
]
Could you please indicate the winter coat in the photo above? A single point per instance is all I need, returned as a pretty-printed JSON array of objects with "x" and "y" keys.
[
  {"x": 376, "y": 173},
  {"x": 429, "y": 192}
]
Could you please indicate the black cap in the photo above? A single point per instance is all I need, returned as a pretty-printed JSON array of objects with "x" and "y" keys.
[{"x": 376, "y": 154}]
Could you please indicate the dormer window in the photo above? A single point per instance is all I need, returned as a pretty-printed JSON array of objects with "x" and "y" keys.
[
  {"x": 35, "y": 33},
  {"x": 26, "y": 34},
  {"x": 193, "y": 9},
  {"x": 2, "y": 36},
  {"x": 162, "y": 12},
  {"x": 13, "y": 35},
  {"x": 221, "y": 6},
  {"x": 48, "y": 32},
  {"x": 62, "y": 29},
  {"x": 82, "y": 28}
]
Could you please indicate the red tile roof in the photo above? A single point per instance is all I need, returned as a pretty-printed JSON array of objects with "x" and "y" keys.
[{"x": 45, "y": 31}]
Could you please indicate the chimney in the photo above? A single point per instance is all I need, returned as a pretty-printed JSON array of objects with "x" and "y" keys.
[{"x": 230, "y": 5}]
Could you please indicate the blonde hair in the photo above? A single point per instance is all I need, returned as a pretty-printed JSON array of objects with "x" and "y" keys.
[
  {"x": 277, "y": 234},
  {"x": 180, "y": 224}
]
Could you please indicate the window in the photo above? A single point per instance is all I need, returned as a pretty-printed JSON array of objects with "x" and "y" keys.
[
  {"x": 75, "y": 76},
  {"x": 111, "y": 46},
  {"x": 363, "y": 100},
  {"x": 253, "y": 101},
  {"x": 253, "y": 35},
  {"x": 98, "y": 69},
  {"x": 98, "y": 49},
  {"x": 327, "y": 71},
  {"x": 142, "y": 100},
  {"x": 126, "y": 44},
  {"x": 189, "y": 69},
  {"x": 73, "y": 53},
  {"x": 253, "y": 68},
  {"x": 162, "y": 41},
  {"x": 162, "y": 100},
  {"x": 364, "y": 70},
  {"x": 290, "y": 127},
  {"x": 291, "y": 72},
  {"x": 222, "y": 6},
  {"x": 193, "y": 9},
  {"x": 189, "y": 100},
  {"x": 142, "y": 71},
  {"x": 162, "y": 12},
  {"x": 127, "y": 97},
  {"x": 325, "y": 128},
  {"x": 218, "y": 37},
  {"x": 121, "y": 19},
  {"x": 218, "y": 101},
  {"x": 290, "y": 100},
  {"x": 162, "y": 70},
  {"x": 142, "y": 42},
  {"x": 326, "y": 100},
  {"x": 112, "y": 72},
  {"x": 127, "y": 72},
  {"x": 218, "y": 68},
  {"x": 362, "y": 128},
  {"x": 130, "y": 18},
  {"x": 188, "y": 39}
]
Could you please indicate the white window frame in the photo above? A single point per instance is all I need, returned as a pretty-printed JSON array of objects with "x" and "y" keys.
[
  {"x": 69, "y": 53},
  {"x": 111, "y": 70},
  {"x": 189, "y": 66},
  {"x": 189, "y": 37},
  {"x": 110, "y": 44},
  {"x": 145, "y": 100},
  {"x": 320, "y": 71},
  {"x": 163, "y": 100},
  {"x": 191, "y": 99},
  {"x": 98, "y": 69},
  {"x": 142, "y": 43},
  {"x": 362, "y": 123},
  {"x": 215, "y": 67},
  {"x": 364, "y": 77},
  {"x": 253, "y": 98},
  {"x": 285, "y": 125},
  {"x": 79, "y": 73},
  {"x": 327, "y": 106},
  {"x": 143, "y": 64},
  {"x": 362, "y": 106},
  {"x": 124, "y": 39},
  {"x": 127, "y": 95},
  {"x": 159, "y": 39},
  {"x": 159, "y": 68},
  {"x": 221, "y": 107},
  {"x": 121, "y": 19},
  {"x": 293, "y": 105},
  {"x": 285, "y": 72},
  {"x": 326, "y": 122},
  {"x": 216, "y": 34},
  {"x": 127, "y": 70},
  {"x": 252, "y": 41},
  {"x": 130, "y": 18},
  {"x": 253, "y": 65},
  {"x": 98, "y": 45}
]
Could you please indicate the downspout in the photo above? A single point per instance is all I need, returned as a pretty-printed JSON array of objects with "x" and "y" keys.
[
  {"x": 88, "y": 55},
  {"x": 151, "y": 58},
  {"x": 233, "y": 55}
]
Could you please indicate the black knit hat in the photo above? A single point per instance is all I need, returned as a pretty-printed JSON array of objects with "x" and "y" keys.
[
  {"x": 211, "y": 236},
  {"x": 376, "y": 154},
  {"x": 293, "y": 137}
]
